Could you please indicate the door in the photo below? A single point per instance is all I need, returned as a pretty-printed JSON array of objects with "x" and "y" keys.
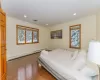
[{"x": 2, "y": 45}]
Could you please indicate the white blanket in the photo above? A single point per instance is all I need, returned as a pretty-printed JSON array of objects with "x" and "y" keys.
[{"x": 60, "y": 61}]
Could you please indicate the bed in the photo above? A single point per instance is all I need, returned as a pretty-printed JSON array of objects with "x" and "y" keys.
[{"x": 60, "y": 63}]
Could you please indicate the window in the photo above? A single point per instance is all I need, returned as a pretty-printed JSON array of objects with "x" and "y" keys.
[
  {"x": 21, "y": 35},
  {"x": 35, "y": 36},
  {"x": 75, "y": 36},
  {"x": 27, "y": 35}
]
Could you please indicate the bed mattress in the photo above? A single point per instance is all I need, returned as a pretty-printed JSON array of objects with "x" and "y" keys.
[
  {"x": 52, "y": 71},
  {"x": 61, "y": 69}
]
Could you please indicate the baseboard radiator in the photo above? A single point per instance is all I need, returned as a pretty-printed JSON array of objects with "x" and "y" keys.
[{"x": 19, "y": 56}]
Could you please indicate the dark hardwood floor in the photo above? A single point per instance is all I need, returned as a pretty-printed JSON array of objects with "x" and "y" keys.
[{"x": 27, "y": 68}]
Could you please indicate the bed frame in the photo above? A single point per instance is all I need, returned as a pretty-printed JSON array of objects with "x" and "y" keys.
[{"x": 52, "y": 71}]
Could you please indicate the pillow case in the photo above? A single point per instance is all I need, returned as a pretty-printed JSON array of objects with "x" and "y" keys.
[
  {"x": 88, "y": 71},
  {"x": 83, "y": 53},
  {"x": 57, "y": 50},
  {"x": 80, "y": 61},
  {"x": 75, "y": 54},
  {"x": 44, "y": 52},
  {"x": 68, "y": 54}
]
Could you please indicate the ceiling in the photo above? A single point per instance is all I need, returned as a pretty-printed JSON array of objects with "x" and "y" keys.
[{"x": 50, "y": 11}]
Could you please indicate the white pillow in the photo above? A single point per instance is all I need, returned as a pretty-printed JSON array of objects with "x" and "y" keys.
[
  {"x": 57, "y": 50},
  {"x": 83, "y": 53},
  {"x": 68, "y": 54},
  {"x": 80, "y": 61},
  {"x": 44, "y": 52},
  {"x": 88, "y": 71},
  {"x": 75, "y": 54}
]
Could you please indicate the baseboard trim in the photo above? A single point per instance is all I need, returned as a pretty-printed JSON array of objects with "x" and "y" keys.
[{"x": 16, "y": 57}]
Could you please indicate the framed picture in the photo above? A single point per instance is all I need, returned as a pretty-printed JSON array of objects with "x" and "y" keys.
[
  {"x": 56, "y": 34},
  {"x": 75, "y": 36}
]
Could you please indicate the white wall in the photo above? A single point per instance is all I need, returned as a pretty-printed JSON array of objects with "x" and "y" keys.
[
  {"x": 14, "y": 50},
  {"x": 88, "y": 32}
]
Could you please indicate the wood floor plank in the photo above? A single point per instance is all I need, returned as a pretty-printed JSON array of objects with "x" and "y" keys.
[{"x": 27, "y": 68}]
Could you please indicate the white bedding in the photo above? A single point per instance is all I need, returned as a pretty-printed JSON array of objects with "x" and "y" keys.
[{"x": 60, "y": 61}]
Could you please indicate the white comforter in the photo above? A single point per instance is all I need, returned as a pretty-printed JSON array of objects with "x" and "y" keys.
[{"x": 60, "y": 61}]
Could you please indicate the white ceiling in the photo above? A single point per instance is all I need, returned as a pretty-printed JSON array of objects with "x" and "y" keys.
[{"x": 50, "y": 11}]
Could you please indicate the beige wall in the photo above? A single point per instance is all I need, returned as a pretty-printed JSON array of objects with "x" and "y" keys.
[
  {"x": 98, "y": 26},
  {"x": 14, "y": 50},
  {"x": 88, "y": 32}
]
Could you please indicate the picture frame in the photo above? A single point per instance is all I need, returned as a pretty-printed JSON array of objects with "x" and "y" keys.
[
  {"x": 75, "y": 36},
  {"x": 56, "y": 34}
]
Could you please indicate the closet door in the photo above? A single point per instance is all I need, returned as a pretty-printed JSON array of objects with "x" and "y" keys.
[{"x": 2, "y": 45}]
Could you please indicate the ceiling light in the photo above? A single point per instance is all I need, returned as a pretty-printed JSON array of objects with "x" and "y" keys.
[
  {"x": 25, "y": 16},
  {"x": 74, "y": 14},
  {"x": 46, "y": 24}
]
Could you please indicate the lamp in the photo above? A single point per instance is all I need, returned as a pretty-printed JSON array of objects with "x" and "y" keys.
[{"x": 94, "y": 53}]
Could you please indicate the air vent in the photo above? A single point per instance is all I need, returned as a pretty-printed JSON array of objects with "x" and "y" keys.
[{"x": 35, "y": 20}]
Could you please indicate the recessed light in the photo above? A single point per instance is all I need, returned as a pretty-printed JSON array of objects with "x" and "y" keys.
[
  {"x": 46, "y": 24},
  {"x": 25, "y": 16},
  {"x": 74, "y": 14}
]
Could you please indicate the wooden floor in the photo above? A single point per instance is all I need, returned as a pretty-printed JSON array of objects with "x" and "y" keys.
[{"x": 27, "y": 68}]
